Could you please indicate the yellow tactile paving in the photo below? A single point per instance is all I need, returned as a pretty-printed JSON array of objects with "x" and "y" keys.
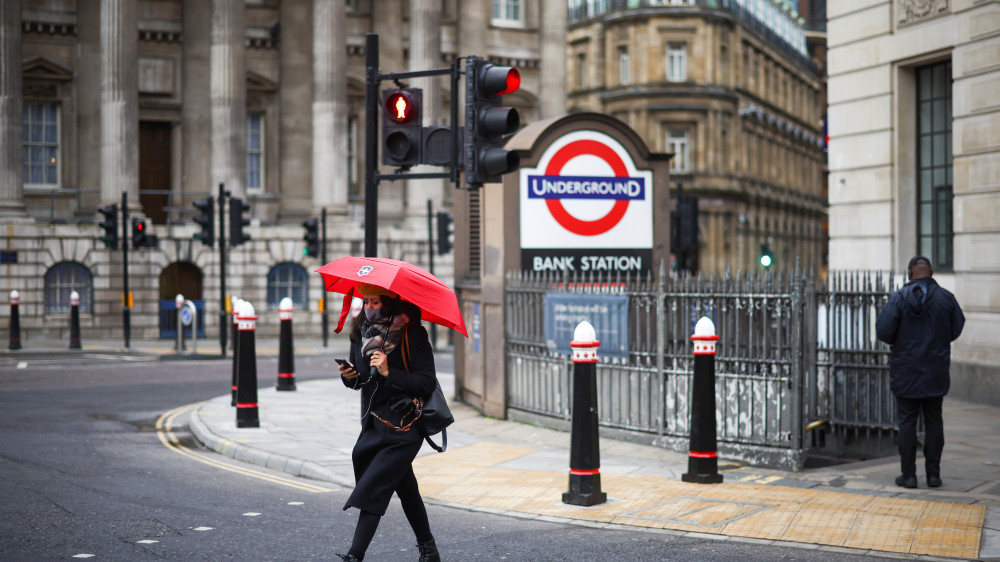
[{"x": 468, "y": 475}]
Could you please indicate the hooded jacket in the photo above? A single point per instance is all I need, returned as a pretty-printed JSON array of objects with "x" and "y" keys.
[{"x": 919, "y": 323}]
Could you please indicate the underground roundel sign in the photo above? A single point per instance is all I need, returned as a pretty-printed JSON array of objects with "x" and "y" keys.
[{"x": 586, "y": 207}]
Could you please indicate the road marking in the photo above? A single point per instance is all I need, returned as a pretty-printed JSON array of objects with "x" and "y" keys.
[
  {"x": 251, "y": 514},
  {"x": 147, "y": 541},
  {"x": 84, "y": 555},
  {"x": 164, "y": 430},
  {"x": 296, "y": 503},
  {"x": 202, "y": 528},
  {"x": 22, "y": 365}
]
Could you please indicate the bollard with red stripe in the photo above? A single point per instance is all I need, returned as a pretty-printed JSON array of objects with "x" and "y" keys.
[
  {"x": 286, "y": 355},
  {"x": 74, "y": 321},
  {"x": 15, "y": 321},
  {"x": 703, "y": 460},
  {"x": 236, "y": 346},
  {"x": 246, "y": 392},
  {"x": 584, "y": 452}
]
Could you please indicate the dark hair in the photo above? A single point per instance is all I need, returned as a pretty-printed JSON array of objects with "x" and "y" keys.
[{"x": 390, "y": 307}]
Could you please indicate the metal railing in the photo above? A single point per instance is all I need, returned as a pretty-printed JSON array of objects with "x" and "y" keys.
[{"x": 777, "y": 368}]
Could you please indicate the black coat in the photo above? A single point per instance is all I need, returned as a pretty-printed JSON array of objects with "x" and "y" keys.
[
  {"x": 920, "y": 335},
  {"x": 382, "y": 456}
]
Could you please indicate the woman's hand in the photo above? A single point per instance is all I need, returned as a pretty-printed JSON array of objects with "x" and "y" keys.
[
  {"x": 347, "y": 372},
  {"x": 380, "y": 362}
]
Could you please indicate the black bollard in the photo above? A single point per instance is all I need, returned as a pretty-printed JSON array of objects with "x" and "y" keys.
[
  {"x": 74, "y": 321},
  {"x": 246, "y": 392},
  {"x": 703, "y": 460},
  {"x": 15, "y": 321},
  {"x": 286, "y": 355},
  {"x": 585, "y": 451},
  {"x": 236, "y": 347}
]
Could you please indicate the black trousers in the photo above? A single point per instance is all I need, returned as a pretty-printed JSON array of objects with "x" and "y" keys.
[{"x": 909, "y": 410}]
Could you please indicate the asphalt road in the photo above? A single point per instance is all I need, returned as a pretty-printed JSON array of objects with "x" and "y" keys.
[{"x": 89, "y": 470}]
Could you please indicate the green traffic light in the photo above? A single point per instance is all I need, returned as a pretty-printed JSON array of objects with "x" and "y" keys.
[{"x": 765, "y": 260}]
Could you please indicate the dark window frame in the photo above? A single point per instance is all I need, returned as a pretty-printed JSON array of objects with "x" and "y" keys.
[
  {"x": 62, "y": 279},
  {"x": 288, "y": 279},
  {"x": 934, "y": 163}
]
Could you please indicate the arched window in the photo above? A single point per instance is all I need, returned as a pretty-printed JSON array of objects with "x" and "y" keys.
[
  {"x": 288, "y": 280},
  {"x": 62, "y": 279}
]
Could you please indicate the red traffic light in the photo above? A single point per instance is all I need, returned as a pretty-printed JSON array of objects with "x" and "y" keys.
[
  {"x": 498, "y": 80},
  {"x": 399, "y": 107},
  {"x": 139, "y": 226}
]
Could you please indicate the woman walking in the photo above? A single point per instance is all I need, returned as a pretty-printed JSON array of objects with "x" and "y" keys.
[{"x": 389, "y": 379}]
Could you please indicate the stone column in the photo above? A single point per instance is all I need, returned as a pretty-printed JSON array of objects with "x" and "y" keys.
[
  {"x": 329, "y": 105},
  {"x": 229, "y": 96},
  {"x": 11, "y": 187},
  {"x": 119, "y": 102},
  {"x": 425, "y": 54},
  {"x": 552, "y": 87}
]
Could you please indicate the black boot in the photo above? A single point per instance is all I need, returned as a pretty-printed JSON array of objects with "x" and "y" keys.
[
  {"x": 349, "y": 558},
  {"x": 429, "y": 551}
]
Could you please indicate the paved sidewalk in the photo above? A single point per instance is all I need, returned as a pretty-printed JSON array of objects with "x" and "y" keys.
[{"x": 521, "y": 470}]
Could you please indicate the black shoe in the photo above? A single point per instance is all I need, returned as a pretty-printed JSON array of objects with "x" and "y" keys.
[
  {"x": 429, "y": 551},
  {"x": 934, "y": 481},
  {"x": 349, "y": 558},
  {"x": 906, "y": 481}
]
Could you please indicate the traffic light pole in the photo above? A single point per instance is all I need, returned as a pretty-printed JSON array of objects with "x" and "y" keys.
[
  {"x": 373, "y": 79},
  {"x": 224, "y": 319},
  {"x": 126, "y": 310},
  {"x": 326, "y": 319}
]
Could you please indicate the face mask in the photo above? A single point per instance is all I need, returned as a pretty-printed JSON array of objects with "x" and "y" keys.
[{"x": 373, "y": 314}]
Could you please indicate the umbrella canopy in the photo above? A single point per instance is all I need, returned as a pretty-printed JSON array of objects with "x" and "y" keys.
[{"x": 437, "y": 301}]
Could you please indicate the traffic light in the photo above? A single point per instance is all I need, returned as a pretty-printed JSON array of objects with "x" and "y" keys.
[
  {"x": 207, "y": 221},
  {"x": 140, "y": 235},
  {"x": 487, "y": 121},
  {"x": 110, "y": 226},
  {"x": 311, "y": 238},
  {"x": 766, "y": 258},
  {"x": 237, "y": 221},
  {"x": 401, "y": 126},
  {"x": 445, "y": 233}
]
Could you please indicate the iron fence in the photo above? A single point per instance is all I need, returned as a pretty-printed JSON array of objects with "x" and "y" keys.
[{"x": 790, "y": 353}]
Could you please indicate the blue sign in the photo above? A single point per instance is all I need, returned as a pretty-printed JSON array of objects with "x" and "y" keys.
[
  {"x": 475, "y": 327},
  {"x": 186, "y": 316},
  {"x": 578, "y": 187},
  {"x": 607, "y": 313}
]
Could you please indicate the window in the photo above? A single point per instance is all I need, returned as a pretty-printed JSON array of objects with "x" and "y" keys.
[
  {"x": 508, "y": 12},
  {"x": 679, "y": 144},
  {"x": 62, "y": 279},
  {"x": 623, "y": 77},
  {"x": 934, "y": 179},
  {"x": 255, "y": 150},
  {"x": 40, "y": 148},
  {"x": 676, "y": 62},
  {"x": 581, "y": 69},
  {"x": 288, "y": 280}
]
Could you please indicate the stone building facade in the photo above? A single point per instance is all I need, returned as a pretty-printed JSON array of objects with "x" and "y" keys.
[
  {"x": 729, "y": 89},
  {"x": 914, "y": 95},
  {"x": 165, "y": 100}
]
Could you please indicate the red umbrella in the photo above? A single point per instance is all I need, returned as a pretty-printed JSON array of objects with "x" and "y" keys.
[{"x": 437, "y": 301}]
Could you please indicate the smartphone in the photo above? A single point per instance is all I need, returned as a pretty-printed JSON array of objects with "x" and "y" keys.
[{"x": 345, "y": 363}]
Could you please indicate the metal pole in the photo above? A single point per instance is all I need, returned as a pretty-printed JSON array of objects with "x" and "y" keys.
[
  {"x": 223, "y": 318},
  {"x": 326, "y": 319},
  {"x": 430, "y": 259},
  {"x": 126, "y": 310},
  {"x": 371, "y": 144}
]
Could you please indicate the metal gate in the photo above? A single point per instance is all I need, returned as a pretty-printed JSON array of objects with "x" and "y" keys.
[{"x": 777, "y": 367}]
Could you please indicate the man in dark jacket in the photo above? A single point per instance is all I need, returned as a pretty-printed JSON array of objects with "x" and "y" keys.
[{"x": 919, "y": 323}]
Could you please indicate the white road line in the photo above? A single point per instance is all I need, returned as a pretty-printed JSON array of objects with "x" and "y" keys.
[
  {"x": 251, "y": 514},
  {"x": 164, "y": 430},
  {"x": 202, "y": 528},
  {"x": 147, "y": 541}
]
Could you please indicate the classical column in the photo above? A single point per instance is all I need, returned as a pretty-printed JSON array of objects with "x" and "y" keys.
[
  {"x": 329, "y": 104},
  {"x": 552, "y": 31},
  {"x": 119, "y": 102},
  {"x": 11, "y": 188},
  {"x": 425, "y": 54},
  {"x": 229, "y": 96}
]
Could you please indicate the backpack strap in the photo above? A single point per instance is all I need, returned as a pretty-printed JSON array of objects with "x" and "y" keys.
[{"x": 406, "y": 348}]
